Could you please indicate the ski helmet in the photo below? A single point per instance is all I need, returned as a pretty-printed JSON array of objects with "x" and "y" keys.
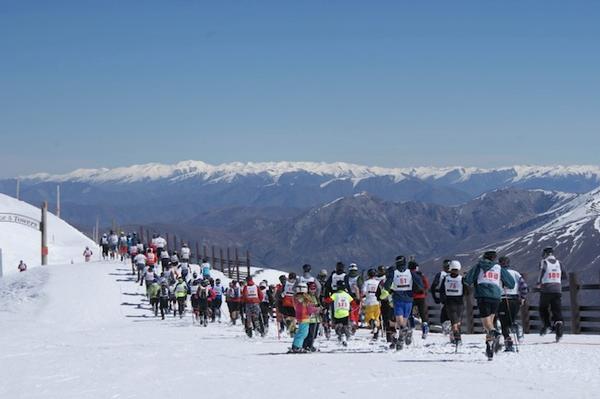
[
  {"x": 339, "y": 267},
  {"x": 413, "y": 265},
  {"x": 454, "y": 265},
  {"x": 306, "y": 268},
  {"x": 322, "y": 275},
  {"x": 490, "y": 255},
  {"x": 353, "y": 270},
  {"x": 340, "y": 285},
  {"x": 381, "y": 270},
  {"x": 371, "y": 273}
]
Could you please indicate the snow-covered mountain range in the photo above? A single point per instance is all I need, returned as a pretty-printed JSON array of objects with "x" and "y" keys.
[
  {"x": 273, "y": 171},
  {"x": 307, "y": 211},
  {"x": 573, "y": 229}
]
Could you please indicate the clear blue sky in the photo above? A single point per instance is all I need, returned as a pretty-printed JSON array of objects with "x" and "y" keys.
[{"x": 484, "y": 83}]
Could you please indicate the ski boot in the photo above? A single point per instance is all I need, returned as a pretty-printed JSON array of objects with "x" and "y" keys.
[
  {"x": 544, "y": 330},
  {"x": 376, "y": 335},
  {"x": 508, "y": 345},
  {"x": 558, "y": 330},
  {"x": 489, "y": 345},
  {"x": 393, "y": 342},
  {"x": 425, "y": 329},
  {"x": 344, "y": 341},
  {"x": 400, "y": 339},
  {"x": 408, "y": 336},
  {"x": 446, "y": 327},
  {"x": 457, "y": 338},
  {"x": 249, "y": 332},
  {"x": 496, "y": 341}
]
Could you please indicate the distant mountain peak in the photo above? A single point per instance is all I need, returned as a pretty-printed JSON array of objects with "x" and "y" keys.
[{"x": 273, "y": 171}]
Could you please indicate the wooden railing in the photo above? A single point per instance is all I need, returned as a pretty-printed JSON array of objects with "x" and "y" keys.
[{"x": 577, "y": 318}]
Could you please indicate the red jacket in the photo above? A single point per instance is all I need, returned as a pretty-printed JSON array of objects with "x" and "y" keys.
[
  {"x": 251, "y": 293},
  {"x": 422, "y": 295}
]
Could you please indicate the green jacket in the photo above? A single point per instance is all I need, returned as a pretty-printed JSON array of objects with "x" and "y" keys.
[
  {"x": 153, "y": 290},
  {"x": 485, "y": 290}
]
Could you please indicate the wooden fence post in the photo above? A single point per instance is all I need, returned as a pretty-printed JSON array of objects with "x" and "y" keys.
[
  {"x": 237, "y": 265},
  {"x": 197, "y": 252},
  {"x": 575, "y": 312},
  {"x": 221, "y": 259},
  {"x": 525, "y": 317},
  {"x": 204, "y": 252},
  {"x": 248, "y": 261},
  {"x": 469, "y": 313},
  {"x": 228, "y": 263},
  {"x": 167, "y": 240},
  {"x": 213, "y": 261}
]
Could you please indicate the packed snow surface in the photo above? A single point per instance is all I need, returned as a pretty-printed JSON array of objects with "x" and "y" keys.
[
  {"x": 85, "y": 331},
  {"x": 20, "y": 242}
]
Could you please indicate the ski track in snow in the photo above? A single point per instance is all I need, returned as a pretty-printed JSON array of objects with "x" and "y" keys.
[{"x": 86, "y": 331}]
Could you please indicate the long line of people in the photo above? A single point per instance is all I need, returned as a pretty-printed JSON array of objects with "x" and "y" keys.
[{"x": 390, "y": 302}]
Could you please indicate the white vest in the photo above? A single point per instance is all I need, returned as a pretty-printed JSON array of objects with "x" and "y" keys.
[
  {"x": 335, "y": 278},
  {"x": 353, "y": 283},
  {"x": 492, "y": 276},
  {"x": 289, "y": 288},
  {"x": 370, "y": 291},
  {"x": 251, "y": 291},
  {"x": 553, "y": 273},
  {"x": 453, "y": 285},
  {"x": 402, "y": 280},
  {"x": 514, "y": 291}
]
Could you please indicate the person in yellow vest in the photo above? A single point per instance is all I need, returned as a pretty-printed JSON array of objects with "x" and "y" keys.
[{"x": 341, "y": 301}]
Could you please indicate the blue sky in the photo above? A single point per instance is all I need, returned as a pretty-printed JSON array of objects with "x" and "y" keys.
[{"x": 111, "y": 83}]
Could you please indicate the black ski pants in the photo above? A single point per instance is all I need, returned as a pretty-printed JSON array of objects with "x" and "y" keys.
[
  {"x": 508, "y": 311},
  {"x": 550, "y": 302}
]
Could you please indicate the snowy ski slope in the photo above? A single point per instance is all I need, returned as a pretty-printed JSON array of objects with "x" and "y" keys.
[
  {"x": 85, "y": 331},
  {"x": 65, "y": 243}
]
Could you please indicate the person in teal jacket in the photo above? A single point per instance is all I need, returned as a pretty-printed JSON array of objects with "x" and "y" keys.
[{"x": 489, "y": 278}]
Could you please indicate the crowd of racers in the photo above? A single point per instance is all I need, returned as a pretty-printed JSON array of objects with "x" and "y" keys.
[{"x": 390, "y": 301}]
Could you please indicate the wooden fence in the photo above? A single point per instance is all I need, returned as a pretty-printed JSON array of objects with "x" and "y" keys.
[
  {"x": 228, "y": 260},
  {"x": 577, "y": 318}
]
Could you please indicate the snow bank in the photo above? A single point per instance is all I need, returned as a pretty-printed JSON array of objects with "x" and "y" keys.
[{"x": 65, "y": 243}]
